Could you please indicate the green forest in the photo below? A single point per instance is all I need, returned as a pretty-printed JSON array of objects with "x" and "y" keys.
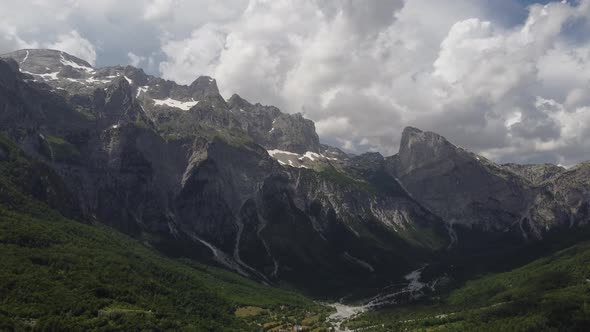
[
  {"x": 57, "y": 274},
  {"x": 549, "y": 294}
]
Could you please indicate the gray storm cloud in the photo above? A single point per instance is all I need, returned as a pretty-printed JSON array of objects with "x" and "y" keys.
[{"x": 506, "y": 80}]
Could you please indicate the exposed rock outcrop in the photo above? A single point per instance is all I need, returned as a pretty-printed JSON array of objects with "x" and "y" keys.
[{"x": 252, "y": 188}]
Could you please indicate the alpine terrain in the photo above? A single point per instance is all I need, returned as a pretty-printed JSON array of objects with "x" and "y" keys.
[{"x": 129, "y": 202}]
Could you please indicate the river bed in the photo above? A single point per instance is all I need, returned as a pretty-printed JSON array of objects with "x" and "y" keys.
[{"x": 412, "y": 289}]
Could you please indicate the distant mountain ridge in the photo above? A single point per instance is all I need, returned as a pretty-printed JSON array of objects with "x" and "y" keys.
[
  {"x": 253, "y": 189},
  {"x": 464, "y": 188}
]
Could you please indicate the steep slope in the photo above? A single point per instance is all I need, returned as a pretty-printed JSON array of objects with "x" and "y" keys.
[
  {"x": 273, "y": 129},
  {"x": 536, "y": 174},
  {"x": 564, "y": 199},
  {"x": 239, "y": 184},
  {"x": 249, "y": 188},
  {"x": 164, "y": 101},
  {"x": 523, "y": 201},
  {"x": 461, "y": 187},
  {"x": 549, "y": 294},
  {"x": 243, "y": 186},
  {"x": 57, "y": 274}
]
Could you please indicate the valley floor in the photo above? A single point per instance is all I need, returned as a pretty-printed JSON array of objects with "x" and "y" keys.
[
  {"x": 58, "y": 274},
  {"x": 549, "y": 294}
]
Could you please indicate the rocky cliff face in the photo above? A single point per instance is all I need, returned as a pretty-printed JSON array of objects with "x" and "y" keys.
[
  {"x": 273, "y": 129},
  {"x": 279, "y": 221},
  {"x": 535, "y": 174},
  {"x": 461, "y": 187},
  {"x": 563, "y": 199},
  {"x": 467, "y": 189},
  {"x": 241, "y": 183},
  {"x": 253, "y": 189}
]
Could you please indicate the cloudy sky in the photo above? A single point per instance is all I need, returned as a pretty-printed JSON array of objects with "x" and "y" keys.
[{"x": 509, "y": 79}]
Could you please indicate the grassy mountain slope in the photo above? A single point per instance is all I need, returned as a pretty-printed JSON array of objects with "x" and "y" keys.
[
  {"x": 549, "y": 294},
  {"x": 57, "y": 274}
]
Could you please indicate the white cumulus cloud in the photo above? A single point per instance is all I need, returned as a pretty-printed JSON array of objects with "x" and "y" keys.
[
  {"x": 76, "y": 45},
  {"x": 503, "y": 79}
]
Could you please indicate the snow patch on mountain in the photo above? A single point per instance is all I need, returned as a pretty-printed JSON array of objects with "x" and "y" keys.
[
  {"x": 183, "y": 105},
  {"x": 311, "y": 155},
  {"x": 49, "y": 76},
  {"x": 25, "y": 59},
  {"x": 141, "y": 89},
  {"x": 277, "y": 152},
  {"x": 72, "y": 64},
  {"x": 93, "y": 80},
  {"x": 295, "y": 159}
]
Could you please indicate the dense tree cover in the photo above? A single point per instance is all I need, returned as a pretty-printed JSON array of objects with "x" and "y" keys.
[
  {"x": 57, "y": 274},
  {"x": 549, "y": 294}
]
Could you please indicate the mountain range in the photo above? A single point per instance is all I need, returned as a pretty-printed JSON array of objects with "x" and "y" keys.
[{"x": 253, "y": 190}]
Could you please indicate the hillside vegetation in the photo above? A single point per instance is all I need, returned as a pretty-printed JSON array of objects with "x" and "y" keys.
[
  {"x": 57, "y": 274},
  {"x": 549, "y": 294}
]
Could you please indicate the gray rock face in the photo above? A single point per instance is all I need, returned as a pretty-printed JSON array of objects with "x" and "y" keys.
[
  {"x": 9, "y": 74},
  {"x": 47, "y": 61},
  {"x": 275, "y": 130},
  {"x": 563, "y": 200},
  {"x": 252, "y": 188},
  {"x": 237, "y": 102},
  {"x": 459, "y": 186},
  {"x": 421, "y": 151},
  {"x": 204, "y": 86},
  {"x": 178, "y": 110},
  {"x": 274, "y": 220},
  {"x": 148, "y": 156},
  {"x": 332, "y": 152},
  {"x": 536, "y": 174},
  {"x": 467, "y": 189},
  {"x": 293, "y": 133}
]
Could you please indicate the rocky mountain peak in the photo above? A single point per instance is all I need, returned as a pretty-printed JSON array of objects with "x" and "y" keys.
[
  {"x": 136, "y": 75},
  {"x": 56, "y": 70},
  {"x": 251, "y": 187},
  {"x": 367, "y": 161},
  {"x": 204, "y": 86},
  {"x": 120, "y": 88},
  {"x": 164, "y": 101},
  {"x": 456, "y": 184},
  {"x": 419, "y": 148},
  {"x": 292, "y": 132},
  {"x": 46, "y": 61},
  {"x": 238, "y": 102},
  {"x": 414, "y": 138}
]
